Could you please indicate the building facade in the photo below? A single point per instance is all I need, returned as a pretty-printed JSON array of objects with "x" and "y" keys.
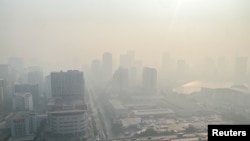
[
  {"x": 22, "y": 102},
  {"x": 68, "y": 117},
  {"x": 70, "y": 83},
  {"x": 23, "y": 124}
]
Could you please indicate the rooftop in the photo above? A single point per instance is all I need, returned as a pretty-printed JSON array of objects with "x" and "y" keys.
[
  {"x": 66, "y": 104},
  {"x": 159, "y": 111},
  {"x": 22, "y": 114},
  {"x": 25, "y": 138},
  {"x": 117, "y": 104}
]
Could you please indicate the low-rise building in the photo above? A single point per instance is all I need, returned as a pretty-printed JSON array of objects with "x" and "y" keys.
[{"x": 67, "y": 118}]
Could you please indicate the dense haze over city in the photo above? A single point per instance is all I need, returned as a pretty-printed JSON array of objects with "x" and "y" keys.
[
  {"x": 64, "y": 34},
  {"x": 122, "y": 70}
]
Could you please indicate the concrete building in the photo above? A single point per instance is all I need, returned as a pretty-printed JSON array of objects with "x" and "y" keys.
[
  {"x": 149, "y": 80},
  {"x": 70, "y": 83},
  {"x": 68, "y": 118},
  {"x": 22, "y": 102},
  {"x": 23, "y": 126},
  {"x": 29, "y": 88}
]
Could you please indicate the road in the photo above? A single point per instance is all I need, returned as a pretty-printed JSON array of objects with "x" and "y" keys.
[{"x": 94, "y": 107}]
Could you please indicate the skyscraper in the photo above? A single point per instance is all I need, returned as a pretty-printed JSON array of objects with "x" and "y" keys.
[
  {"x": 120, "y": 80},
  {"x": 67, "y": 114},
  {"x": 96, "y": 72},
  {"x": 107, "y": 65},
  {"x": 149, "y": 80},
  {"x": 70, "y": 83}
]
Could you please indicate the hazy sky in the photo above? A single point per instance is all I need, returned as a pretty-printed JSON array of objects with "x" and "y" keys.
[{"x": 61, "y": 32}]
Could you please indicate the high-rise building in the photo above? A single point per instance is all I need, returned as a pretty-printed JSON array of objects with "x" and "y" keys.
[
  {"x": 96, "y": 72},
  {"x": 23, "y": 126},
  {"x": 29, "y": 88},
  {"x": 240, "y": 73},
  {"x": 107, "y": 65},
  {"x": 149, "y": 80},
  {"x": 70, "y": 83},
  {"x": 120, "y": 80},
  {"x": 22, "y": 102}
]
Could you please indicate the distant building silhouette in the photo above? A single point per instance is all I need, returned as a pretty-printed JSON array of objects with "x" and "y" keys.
[
  {"x": 149, "y": 80},
  {"x": 107, "y": 65},
  {"x": 120, "y": 80},
  {"x": 96, "y": 72},
  {"x": 127, "y": 60}
]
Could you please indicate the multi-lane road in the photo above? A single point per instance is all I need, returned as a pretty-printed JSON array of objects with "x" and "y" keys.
[{"x": 94, "y": 108}]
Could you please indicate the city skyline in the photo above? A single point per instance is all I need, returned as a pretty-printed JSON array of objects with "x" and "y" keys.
[{"x": 127, "y": 70}]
